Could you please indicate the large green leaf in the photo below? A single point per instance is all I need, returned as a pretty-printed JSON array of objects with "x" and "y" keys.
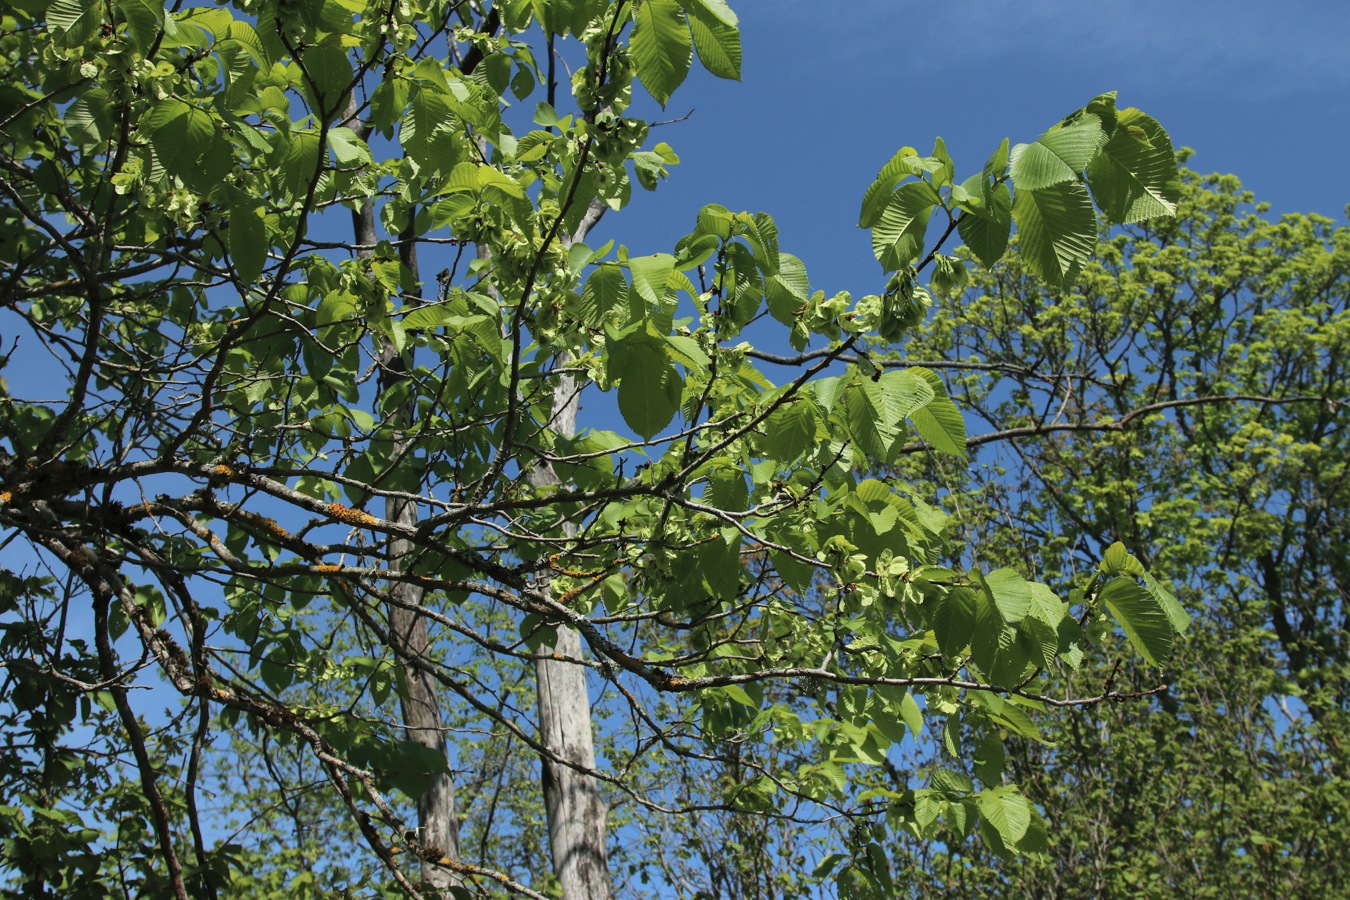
[
  {"x": 606, "y": 289},
  {"x": 1007, "y": 811},
  {"x": 953, "y": 620},
  {"x": 1010, "y": 592},
  {"x": 939, "y": 422},
  {"x": 299, "y": 160},
  {"x": 897, "y": 237},
  {"x": 180, "y": 134},
  {"x": 1141, "y": 617},
  {"x": 89, "y": 119},
  {"x": 788, "y": 291},
  {"x": 1056, "y": 228},
  {"x": 74, "y": 21},
  {"x": 986, "y": 233},
  {"x": 662, "y": 49},
  {"x": 875, "y": 406},
  {"x": 650, "y": 275},
  {"x": 649, "y": 384},
  {"x": 718, "y": 42},
  {"x": 248, "y": 239},
  {"x": 790, "y": 430},
  {"x": 1135, "y": 176},
  {"x": 144, "y": 18},
  {"x": 900, "y": 166},
  {"x": 1058, "y": 156}
]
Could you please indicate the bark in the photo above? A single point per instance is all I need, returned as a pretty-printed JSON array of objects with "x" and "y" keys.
[
  {"x": 437, "y": 816},
  {"x": 576, "y": 812}
]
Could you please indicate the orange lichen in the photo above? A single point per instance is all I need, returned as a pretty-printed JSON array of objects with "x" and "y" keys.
[
  {"x": 350, "y": 516},
  {"x": 559, "y": 567},
  {"x": 327, "y": 568},
  {"x": 6, "y": 496},
  {"x": 567, "y": 598},
  {"x": 266, "y": 524},
  {"x": 222, "y": 471}
]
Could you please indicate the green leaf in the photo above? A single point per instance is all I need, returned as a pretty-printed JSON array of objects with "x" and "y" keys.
[
  {"x": 953, "y": 621},
  {"x": 74, "y": 22},
  {"x": 1058, "y": 156},
  {"x": 788, "y": 291},
  {"x": 1007, "y": 811},
  {"x": 606, "y": 289},
  {"x": 790, "y": 430},
  {"x": 912, "y": 715},
  {"x": 145, "y": 20},
  {"x": 650, "y": 275},
  {"x": 1119, "y": 561},
  {"x": 939, "y": 422},
  {"x": 649, "y": 385},
  {"x": 299, "y": 161},
  {"x": 986, "y": 234},
  {"x": 718, "y": 42},
  {"x": 248, "y": 239},
  {"x": 1057, "y": 230},
  {"x": 1141, "y": 617},
  {"x": 661, "y": 46},
  {"x": 180, "y": 134},
  {"x": 1176, "y": 613},
  {"x": 1010, "y": 593},
  {"x": 348, "y": 149},
  {"x": 89, "y": 119},
  {"x": 900, "y": 166},
  {"x": 874, "y": 408},
  {"x": 1135, "y": 177},
  {"x": 897, "y": 238}
]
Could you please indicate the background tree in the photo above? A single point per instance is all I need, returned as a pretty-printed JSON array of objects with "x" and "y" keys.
[
  {"x": 1186, "y": 396},
  {"x": 332, "y": 513}
]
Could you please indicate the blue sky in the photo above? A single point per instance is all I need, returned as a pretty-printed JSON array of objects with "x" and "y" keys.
[{"x": 830, "y": 91}]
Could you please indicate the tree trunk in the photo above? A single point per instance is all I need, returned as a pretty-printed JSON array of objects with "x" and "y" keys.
[
  {"x": 437, "y": 817},
  {"x": 577, "y": 834},
  {"x": 576, "y": 811}
]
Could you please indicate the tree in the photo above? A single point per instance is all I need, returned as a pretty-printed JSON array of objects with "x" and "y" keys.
[
  {"x": 1186, "y": 396},
  {"x": 306, "y": 495}
]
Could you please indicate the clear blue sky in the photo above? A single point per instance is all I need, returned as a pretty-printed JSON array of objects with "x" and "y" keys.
[{"x": 830, "y": 91}]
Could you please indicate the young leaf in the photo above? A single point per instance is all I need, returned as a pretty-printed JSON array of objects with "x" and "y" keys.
[
  {"x": 1141, "y": 617},
  {"x": 718, "y": 43},
  {"x": 662, "y": 49},
  {"x": 1057, "y": 230},
  {"x": 1135, "y": 177},
  {"x": 986, "y": 233},
  {"x": 897, "y": 238},
  {"x": 939, "y": 422}
]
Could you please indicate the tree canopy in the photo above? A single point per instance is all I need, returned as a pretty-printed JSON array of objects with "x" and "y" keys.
[
  {"x": 1185, "y": 396},
  {"x": 264, "y": 482}
]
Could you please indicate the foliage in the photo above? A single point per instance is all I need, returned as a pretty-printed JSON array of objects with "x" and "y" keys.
[
  {"x": 279, "y": 446},
  {"x": 1186, "y": 396}
]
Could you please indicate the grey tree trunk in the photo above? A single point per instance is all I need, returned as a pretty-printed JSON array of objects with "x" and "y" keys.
[
  {"x": 437, "y": 816},
  {"x": 576, "y": 812}
]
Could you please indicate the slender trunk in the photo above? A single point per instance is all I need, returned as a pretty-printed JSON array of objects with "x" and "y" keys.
[
  {"x": 576, "y": 811},
  {"x": 437, "y": 817}
]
